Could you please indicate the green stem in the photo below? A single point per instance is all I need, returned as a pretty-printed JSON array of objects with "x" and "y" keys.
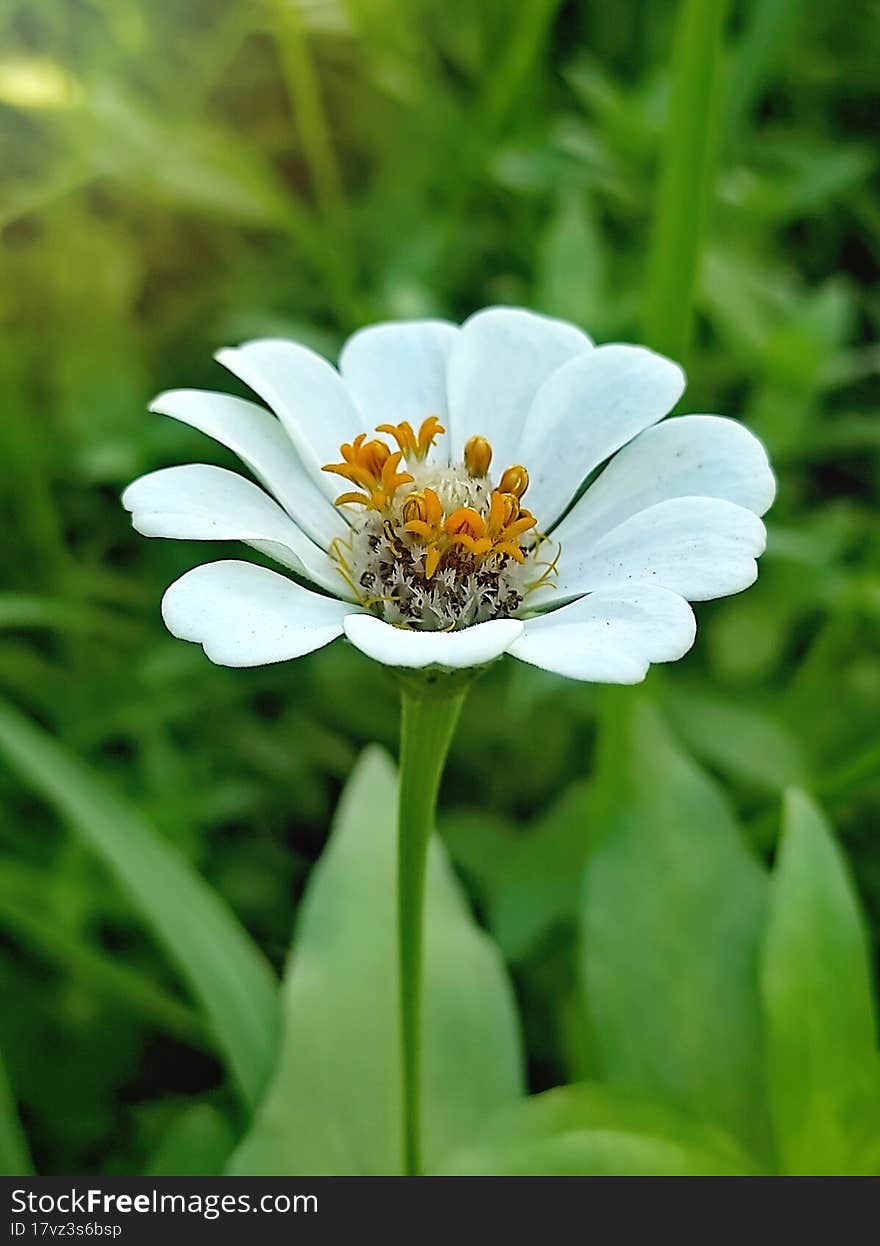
[
  {"x": 334, "y": 250},
  {"x": 428, "y": 719},
  {"x": 304, "y": 91},
  {"x": 686, "y": 174},
  {"x": 530, "y": 27}
]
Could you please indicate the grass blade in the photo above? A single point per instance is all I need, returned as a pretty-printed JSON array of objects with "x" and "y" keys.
[
  {"x": 15, "y": 1160},
  {"x": 687, "y": 165},
  {"x": 225, "y": 971}
]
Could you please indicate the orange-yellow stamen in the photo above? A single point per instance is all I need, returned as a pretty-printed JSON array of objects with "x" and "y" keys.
[
  {"x": 466, "y": 527},
  {"x": 417, "y": 526},
  {"x": 507, "y": 523},
  {"x": 422, "y": 513},
  {"x": 515, "y": 480},
  {"x": 373, "y": 467},
  {"x": 412, "y": 445},
  {"x": 477, "y": 457},
  {"x": 423, "y": 517}
]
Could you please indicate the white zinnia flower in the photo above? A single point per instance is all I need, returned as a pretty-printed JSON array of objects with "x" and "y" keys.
[{"x": 429, "y": 558}]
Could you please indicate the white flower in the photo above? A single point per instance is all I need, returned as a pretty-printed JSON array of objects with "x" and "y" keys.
[{"x": 429, "y": 558}]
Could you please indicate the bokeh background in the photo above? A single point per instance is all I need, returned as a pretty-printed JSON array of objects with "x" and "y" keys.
[{"x": 178, "y": 177}]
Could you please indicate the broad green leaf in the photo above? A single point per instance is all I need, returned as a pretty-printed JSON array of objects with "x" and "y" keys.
[
  {"x": 531, "y": 877},
  {"x": 225, "y": 971},
  {"x": 197, "y": 1144},
  {"x": 740, "y": 740},
  {"x": 15, "y": 1160},
  {"x": 816, "y": 983},
  {"x": 673, "y": 910},
  {"x": 590, "y": 1130},
  {"x": 334, "y": 1107}
]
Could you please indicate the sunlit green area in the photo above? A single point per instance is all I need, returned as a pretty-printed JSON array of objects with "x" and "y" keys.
[{"x": 180, "y": 177}]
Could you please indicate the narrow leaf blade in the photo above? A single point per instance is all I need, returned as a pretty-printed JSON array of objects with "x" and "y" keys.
[
  {"x": 225, "y": 971},
  {"x": 15, "y": 1160}
]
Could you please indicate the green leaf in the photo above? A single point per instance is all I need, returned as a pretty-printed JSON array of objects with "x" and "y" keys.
[
  {"x": 742, "y": 741},
  {"x": 673, "y": 909},
  {"x": 571, "y": 276},
  {"x": 26, "y": 914},
  {"x": 531, "y": 878},
  {"x": 26, "y": 610},
  {"x": 687, "y": 167},
  {"x": 816, "y": 985},
  {"x": 189, "y": 165},
  {"x": 589, "y": 1130},
  {"x": 225, "y": 971},
  {"x": 197, "y": 1144},
  {"x": 334, "y": 1107},
  {"x": 15, "y": 1160}
]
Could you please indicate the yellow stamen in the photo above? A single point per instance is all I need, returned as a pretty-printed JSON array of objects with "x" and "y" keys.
[
  {"x": 359, "y": 499},
  {"x": 503, "y": 510},
  {"x": 412, "y": 445},
  {"x": 415, "y": 530},
  {"x": 423, "y": 509},
  {"x": 465, "y": 522},
  {"x": 371, "y": 466},
  {"x": 477, "y": 457},
  {"x": 423, "y": 516},
  {"x": 507, "y": 523},
  {"x": 515, "y": 480}
]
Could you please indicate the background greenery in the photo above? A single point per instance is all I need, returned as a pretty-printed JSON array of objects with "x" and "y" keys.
[{"x": 179, "y": 177}]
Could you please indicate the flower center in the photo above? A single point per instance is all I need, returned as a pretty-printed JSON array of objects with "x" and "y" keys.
[{"x": 436, "y": 548}]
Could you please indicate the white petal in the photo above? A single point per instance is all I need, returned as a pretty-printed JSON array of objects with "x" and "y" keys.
[
  {"x": 398, "y": 646},
  {"x": 397, "y": 372},
  {"x": 587, "y": 409},
  {"x": 262, "y": 444},
  {"x": 687, "y": 456},
  {"x": 699, "y": 548},
  {"x": 307, "y": 395},
  {"x": 244, "y": 615},
  {"x": 199, "y": 502},
  {"x": 609, "y": 637},
  {"x": 498, "y": 362}
]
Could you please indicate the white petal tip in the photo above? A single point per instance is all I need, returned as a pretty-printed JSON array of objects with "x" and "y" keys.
[
  {"x": 166, "y": 402},
  {"x": 244, "y": 615},
  {"x": 610, "y": 637}
]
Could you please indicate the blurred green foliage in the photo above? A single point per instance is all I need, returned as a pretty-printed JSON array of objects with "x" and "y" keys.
[{"x": 181, "y": 177}]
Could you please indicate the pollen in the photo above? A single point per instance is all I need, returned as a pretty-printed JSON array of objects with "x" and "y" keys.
[{"x": 436, "y": 546}]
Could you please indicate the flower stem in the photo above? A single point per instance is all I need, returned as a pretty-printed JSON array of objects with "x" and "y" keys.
[
  {"x": 304, "y": 91},
  {"x": 428, "y": 719}
]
